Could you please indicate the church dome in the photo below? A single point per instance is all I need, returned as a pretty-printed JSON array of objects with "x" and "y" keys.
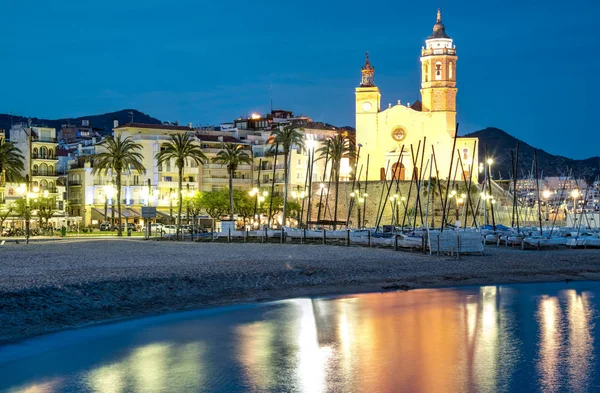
[{"x": 439, "y": 30}]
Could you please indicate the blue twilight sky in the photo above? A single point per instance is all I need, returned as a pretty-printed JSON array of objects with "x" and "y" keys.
[{"x": 526, "y": 66}]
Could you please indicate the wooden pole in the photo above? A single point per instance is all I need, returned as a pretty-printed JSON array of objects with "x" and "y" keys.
[{"x": 449, "y": 175}]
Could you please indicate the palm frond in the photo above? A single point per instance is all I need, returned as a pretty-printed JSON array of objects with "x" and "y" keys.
[
  {"x": 12, "y": 162},
  {"x": 287, "y": 138},
  {"x": 119, "y": 154},
  {"x": 181, "y": 148},
  {"x": 232, "y": 155}
]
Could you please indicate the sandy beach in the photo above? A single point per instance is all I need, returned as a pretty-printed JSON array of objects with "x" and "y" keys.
[{"x": 51, "y": 286}]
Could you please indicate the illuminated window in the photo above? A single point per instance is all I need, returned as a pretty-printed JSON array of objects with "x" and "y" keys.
[{"x": 450, "y": 71}]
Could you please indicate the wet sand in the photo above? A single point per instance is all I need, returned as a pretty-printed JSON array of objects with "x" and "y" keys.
[{"x": 51, "y": 286}]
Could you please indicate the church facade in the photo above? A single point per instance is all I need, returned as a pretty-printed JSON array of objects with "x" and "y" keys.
[{"x": 400, "y": 139}]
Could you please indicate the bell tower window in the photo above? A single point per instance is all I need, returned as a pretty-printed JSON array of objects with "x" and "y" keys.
[
  {"x": 438, "y": 71},
  {"x": 426, "y": 73},
  {"x": 450, "y": 71}
]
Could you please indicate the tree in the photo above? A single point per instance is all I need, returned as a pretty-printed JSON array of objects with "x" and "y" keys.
[
  {"x": 46, "y": 207},
  {"x": 215, "y": 203},
  {"x": 244, "y": 204},
  {"x": 335, "y": 150},
  {"x": 194, "y": 203},
  {"x": 20, "y": 208},
  {"x": 4, "y": 213},
  {"x": 12, "y": 162},
  {"x": 287, "y": 138},
  {"x": 276, "y": 202},
  {"x": 232, "y": 155},
  {"x": 181, "y": 148},
  {"x": 119, "y": 155}
]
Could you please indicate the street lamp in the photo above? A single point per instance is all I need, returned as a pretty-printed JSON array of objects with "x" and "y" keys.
[
  {"x": 171, "y": 197},
  {"x": 490, "y": 162},
  {"x": 28, "y": 195},
  {"x": 109, "y": 192},
  {"x": 546, "y": 195},
  {"x": 575, "y": 194}
]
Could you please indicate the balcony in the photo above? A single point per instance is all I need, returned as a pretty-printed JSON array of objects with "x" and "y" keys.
[
  {"x": 40, "y": 157},
  {"x": 75, "y": 183},
  {"x": 225, "y": 180},
  {"x": 174, "y": 184},
  {"x": 243, "y": 167},
  {"x": 44, "y": 174},
  {"x": 44, "y": 140}
]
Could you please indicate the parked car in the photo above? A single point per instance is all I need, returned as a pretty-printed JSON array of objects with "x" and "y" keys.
[
  {"x": 105, "y": 226},
  {"x": 155, "y": 229},
  {"x": 169, "y": 229},
  {"x": 130, "y": 225}
]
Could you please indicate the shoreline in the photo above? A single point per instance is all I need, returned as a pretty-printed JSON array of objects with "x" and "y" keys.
[{"x": 75, "y": 295}]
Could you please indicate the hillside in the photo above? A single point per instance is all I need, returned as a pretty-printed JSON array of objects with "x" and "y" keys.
[
  {"x": 103, "y": 122},
  {"x": 500, "y": 144}
]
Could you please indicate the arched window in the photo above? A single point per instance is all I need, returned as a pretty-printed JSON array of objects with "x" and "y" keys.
[
  {"x": 35, "y": 169},
  {"x": 426, "y": 72},
  {"x": 51, "y": 186},
  {"x": 465, "y": 154},
  {"x": 438, "y": 70},
  {"x": 398, "y": 171},
  {"x": 44, "y": 185},
  {"x": 35, "y": 152},
  {"x": 450, "y": 71},
  {"x": 43, "y": 152},
  {"x": 51, "y": 170},
  {"x": 50, "y": 154},
  {"x": 43, "y": 170}
]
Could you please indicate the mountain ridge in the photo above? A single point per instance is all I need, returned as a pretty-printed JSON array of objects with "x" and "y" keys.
[
  {"x": 103, "y": 122},
  {"x": 500, "y": 144}
]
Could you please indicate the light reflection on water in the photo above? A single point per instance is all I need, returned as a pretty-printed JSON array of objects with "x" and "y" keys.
[{"x": 538, "y": 338}]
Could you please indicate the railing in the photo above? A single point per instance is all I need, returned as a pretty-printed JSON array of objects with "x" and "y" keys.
[
  {"x": 225, "y": 180},
  {"x": 47, "y": 173},
  {"x": 74, "y": 182},
  {"x": 243, "y": 167},
  {"x": 44, "y": 157},
  {"x": 44, "y": 140}
]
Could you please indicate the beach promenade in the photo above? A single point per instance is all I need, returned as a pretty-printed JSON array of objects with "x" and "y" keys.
[{"x": 51, "y": 286}]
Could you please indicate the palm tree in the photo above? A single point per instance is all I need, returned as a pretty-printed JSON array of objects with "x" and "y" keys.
[
  {"x": 232, "y": 155},
  {"x": 119, "y": 155},
  {"x": 181, "y": 148},
  {"x": 287, "y": 137},
  {"x": 11, "y": 162},
  {"x": 335, "y": 150}
]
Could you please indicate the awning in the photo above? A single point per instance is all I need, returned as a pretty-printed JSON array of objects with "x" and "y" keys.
[{"x": 125, "y": 213}]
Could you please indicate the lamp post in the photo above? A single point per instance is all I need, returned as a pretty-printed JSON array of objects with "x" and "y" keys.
[
  {"x": 575, "y": 194},
  {"x": 29, "y": 195},
  {"x": 546, "y": 196},
  {"x": 490, "y": 162},
  {"x": 109, "y": 192}
]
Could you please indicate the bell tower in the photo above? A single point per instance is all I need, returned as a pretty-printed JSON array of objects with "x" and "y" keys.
[
  {"x": 438, "y": 73},
  {"x": 367, "y": 109}
]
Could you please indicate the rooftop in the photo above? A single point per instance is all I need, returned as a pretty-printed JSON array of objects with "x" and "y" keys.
[{"x": 155, "y": 127}]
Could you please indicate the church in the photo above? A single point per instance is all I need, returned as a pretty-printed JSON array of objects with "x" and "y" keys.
[{"x": 399, "y": 140}]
